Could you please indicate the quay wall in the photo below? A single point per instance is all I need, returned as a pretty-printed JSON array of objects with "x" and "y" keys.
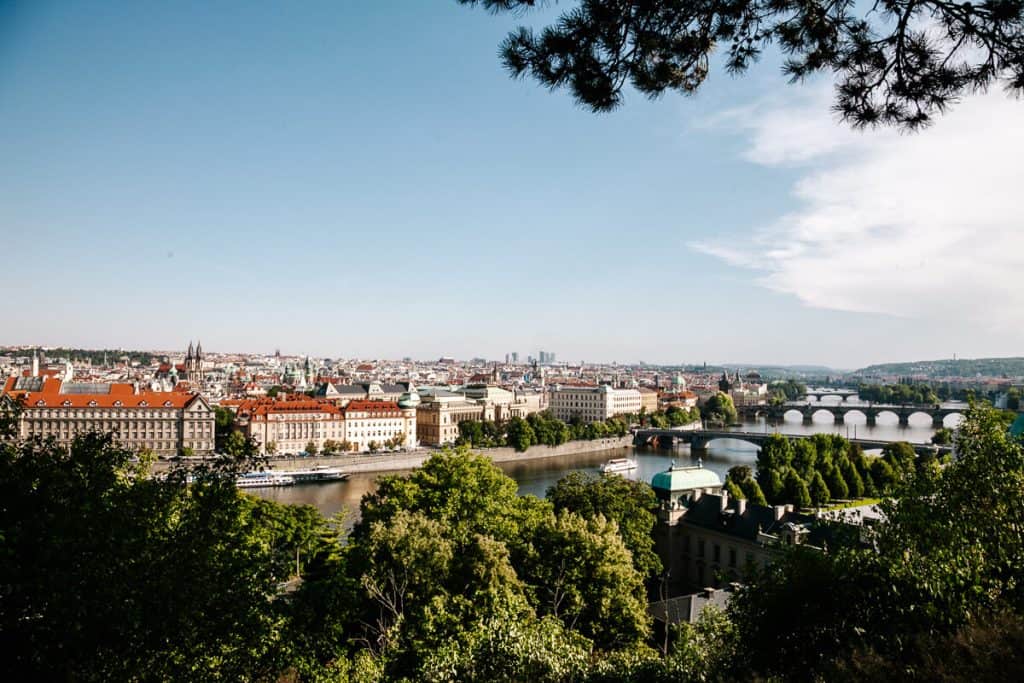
[{"x": 388, "y": 462}]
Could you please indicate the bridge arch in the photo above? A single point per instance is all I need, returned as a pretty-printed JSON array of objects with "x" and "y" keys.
[{"x": 752, "y": 442}]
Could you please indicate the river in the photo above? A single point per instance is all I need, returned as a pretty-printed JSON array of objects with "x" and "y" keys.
[{"x": 535, "y": 476}]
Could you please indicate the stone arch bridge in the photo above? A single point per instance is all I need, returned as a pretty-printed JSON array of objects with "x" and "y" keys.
[
  {"x": 698, "y": 439},
  {"x": 870, "y": 411}
]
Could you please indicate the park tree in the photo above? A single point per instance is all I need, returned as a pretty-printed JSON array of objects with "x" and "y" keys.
[
  {"x": 836, "y": 484},
  {"x": 805, "y": 457},
  {"x": 796, "y": 490},
  {"x": 742, "y": 477},
  {"x": 900, "y": 456},
  {"x": 820, "y": 493},
  {"x": 897, "y": 62},
  {"x": 311, "y": 448},
  {"x": 772, "y": 484},
  {"x": 776, "y": 453},
  {"x": 630, "y": 504}
]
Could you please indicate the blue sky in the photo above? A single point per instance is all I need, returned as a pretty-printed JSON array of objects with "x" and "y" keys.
[{"x": 362, "y": 179}]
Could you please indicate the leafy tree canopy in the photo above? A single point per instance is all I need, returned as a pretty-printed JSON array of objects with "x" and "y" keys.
[{"x": 897, "y": 62}]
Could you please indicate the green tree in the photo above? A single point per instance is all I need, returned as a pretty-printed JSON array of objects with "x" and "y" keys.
[
  {"x": 630, "y": 504},
  {"x": 584, "y": 575},
  {"x": 772, "y": 485},
  {"x": 887, "y": 70},
  {"x": 900, "y": 456},
  {"x": 520, "y": 434},
  {"x": 311, "y": 448},
  {"x": 92, "y": 549},
  {"x": 836, "y": 483},
  {"x": 776, "y": 453},
  {"x": 943, "y": 436},
  {"x": 805, "y": 457},
  {"x": 238, "y": 446},
  {"x": 796, "y": 490},
  {"x": 819, "y": 491},
  {"x": 719, "y": 409}
]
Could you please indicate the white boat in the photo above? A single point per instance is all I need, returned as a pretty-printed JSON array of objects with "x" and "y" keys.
[
  {"x": 257, "y": 480},
  {"x": 618, "y": 465},
  {"x": 317, "y": 474}
]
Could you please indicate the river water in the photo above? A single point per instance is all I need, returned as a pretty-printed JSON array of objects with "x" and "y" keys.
[{"x": 536, "y": 476}]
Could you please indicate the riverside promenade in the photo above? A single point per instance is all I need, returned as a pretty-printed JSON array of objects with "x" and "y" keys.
[{"x": 389, "y": 462}]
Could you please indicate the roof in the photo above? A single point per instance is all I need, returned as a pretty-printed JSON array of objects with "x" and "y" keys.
[
  {"x": 117, "y": 395},
  {"x": 685, "y": 478},
  {"x": 372, "y": 407},
  {"x": 706, "y": 512}
]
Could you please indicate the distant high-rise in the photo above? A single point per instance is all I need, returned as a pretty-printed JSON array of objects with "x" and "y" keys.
[{"x": 515, "y": 356}]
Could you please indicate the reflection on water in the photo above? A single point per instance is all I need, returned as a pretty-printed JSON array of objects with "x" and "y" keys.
[{"x": 536, "y": 476}]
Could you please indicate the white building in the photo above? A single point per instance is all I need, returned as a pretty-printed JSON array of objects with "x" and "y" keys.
[{"x": 592, "y": 404}]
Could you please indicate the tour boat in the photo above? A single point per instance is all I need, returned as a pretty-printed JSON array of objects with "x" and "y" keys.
[
  {"x": 257, "y": 480},
  {"x": 317, "y": 474},
  {"x": 618, "y": 465}
]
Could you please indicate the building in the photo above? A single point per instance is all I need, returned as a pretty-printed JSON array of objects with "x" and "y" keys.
[
  {"x": 592, "y": 404},
  {"x": 341, "y": 394},
  {"x": 648, "y": 400},
  {"x": 439, "y": 414},
  {"x": 289, "y": 424},
  {"x": 704, "y": 538},
  {"x": 378, "y": 424},
  {"x": 168, "y": 423}
]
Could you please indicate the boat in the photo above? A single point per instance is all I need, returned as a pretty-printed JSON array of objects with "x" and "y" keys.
[
  {"x": 258, "y": 480},
  {"x": 618, "y": 465},
  {"x": 317, "y": 474}
]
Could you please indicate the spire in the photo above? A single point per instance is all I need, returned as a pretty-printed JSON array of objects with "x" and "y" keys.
[
  {"x": 199, "y": 350},
  {"x": 188, "y": 356}
]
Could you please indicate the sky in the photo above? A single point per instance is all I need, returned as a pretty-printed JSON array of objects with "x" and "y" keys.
[{"x": 348, "y": 178}]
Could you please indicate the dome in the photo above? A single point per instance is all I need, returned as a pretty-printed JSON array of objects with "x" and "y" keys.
[{"x": 677, "y": 479}]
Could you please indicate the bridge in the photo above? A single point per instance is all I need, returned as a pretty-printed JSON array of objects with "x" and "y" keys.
[
  {"x": 818, "y": 394},
  {"x": 870, "y": 411},
  {"x": 700, "y": 438}
]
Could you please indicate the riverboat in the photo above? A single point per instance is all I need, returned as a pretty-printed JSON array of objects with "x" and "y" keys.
[
  {"x": 258, "y": 480},
  {"x": 316, "y": 474},
  {"x": 618, "y": 465}
]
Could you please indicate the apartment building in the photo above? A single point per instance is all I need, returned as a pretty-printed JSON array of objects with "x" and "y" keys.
[{"x": 592, "y": 403}]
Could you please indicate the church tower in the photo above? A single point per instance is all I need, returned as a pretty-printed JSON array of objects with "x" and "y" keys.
[{"x": 194, "y": 365}]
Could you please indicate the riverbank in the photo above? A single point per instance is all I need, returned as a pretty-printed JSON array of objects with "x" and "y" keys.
[{"x": 390, "y": 462}]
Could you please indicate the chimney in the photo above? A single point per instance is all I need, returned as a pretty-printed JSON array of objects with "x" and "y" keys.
[
  {"x": 724, "y": 500},
  {"x": 741, "y": 506},
  {"x": 789, "y": 507},
  {"x": 780, "y": 512}
]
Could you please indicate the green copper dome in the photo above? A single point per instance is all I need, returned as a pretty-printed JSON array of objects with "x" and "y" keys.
[{"x": 676, "y": 479}]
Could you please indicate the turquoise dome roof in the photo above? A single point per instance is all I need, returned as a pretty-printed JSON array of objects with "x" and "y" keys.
[{"x": 685, "y": 479}]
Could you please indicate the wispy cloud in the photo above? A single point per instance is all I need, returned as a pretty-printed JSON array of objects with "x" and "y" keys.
[{"x": 926, "y": 225}]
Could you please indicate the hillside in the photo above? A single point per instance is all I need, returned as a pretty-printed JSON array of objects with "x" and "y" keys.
[{"x": 961, "y": 367}]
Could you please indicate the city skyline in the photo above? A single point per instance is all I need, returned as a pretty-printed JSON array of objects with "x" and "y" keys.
[{"x": 375, "y": 186}]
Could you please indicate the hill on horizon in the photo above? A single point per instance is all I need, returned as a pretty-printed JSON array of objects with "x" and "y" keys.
[{"x": 960, "y": 367}]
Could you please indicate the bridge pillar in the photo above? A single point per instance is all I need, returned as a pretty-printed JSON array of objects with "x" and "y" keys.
[
  {"x": 938, "y": 420},
  {"x": 904, "y": 419},
  {"x": 808, "y": 418},
  {"x": 840, "y": 417},
  {"x": 872, "y": 419}
]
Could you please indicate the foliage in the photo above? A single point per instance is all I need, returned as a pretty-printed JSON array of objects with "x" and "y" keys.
[
  {"x": 948, "y": 557},
  {"x": 898, "y": 393},
  {"x": 943, "y": 436},
  {"x": 719, "y": 409},
  {"x": 630, "y": 504},
  {"x": 889, "y": 68},
  {"x": 112, "y": 575}
]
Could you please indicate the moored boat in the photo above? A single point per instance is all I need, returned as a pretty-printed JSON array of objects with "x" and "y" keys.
[
  {"x": 256, "y": 480},
  {"x": 317, "y": 474}
]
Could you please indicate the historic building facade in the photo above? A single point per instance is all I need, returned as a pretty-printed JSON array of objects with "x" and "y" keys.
[
  {"x": 167, "y": 423},
  {"x": 592, "y": 404}
]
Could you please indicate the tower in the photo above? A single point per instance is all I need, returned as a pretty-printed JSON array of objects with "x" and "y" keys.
[{"x": 194, "y": 365}]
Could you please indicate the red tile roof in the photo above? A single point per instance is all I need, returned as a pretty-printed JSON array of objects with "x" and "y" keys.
[{"x": 121, "y": 395}]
